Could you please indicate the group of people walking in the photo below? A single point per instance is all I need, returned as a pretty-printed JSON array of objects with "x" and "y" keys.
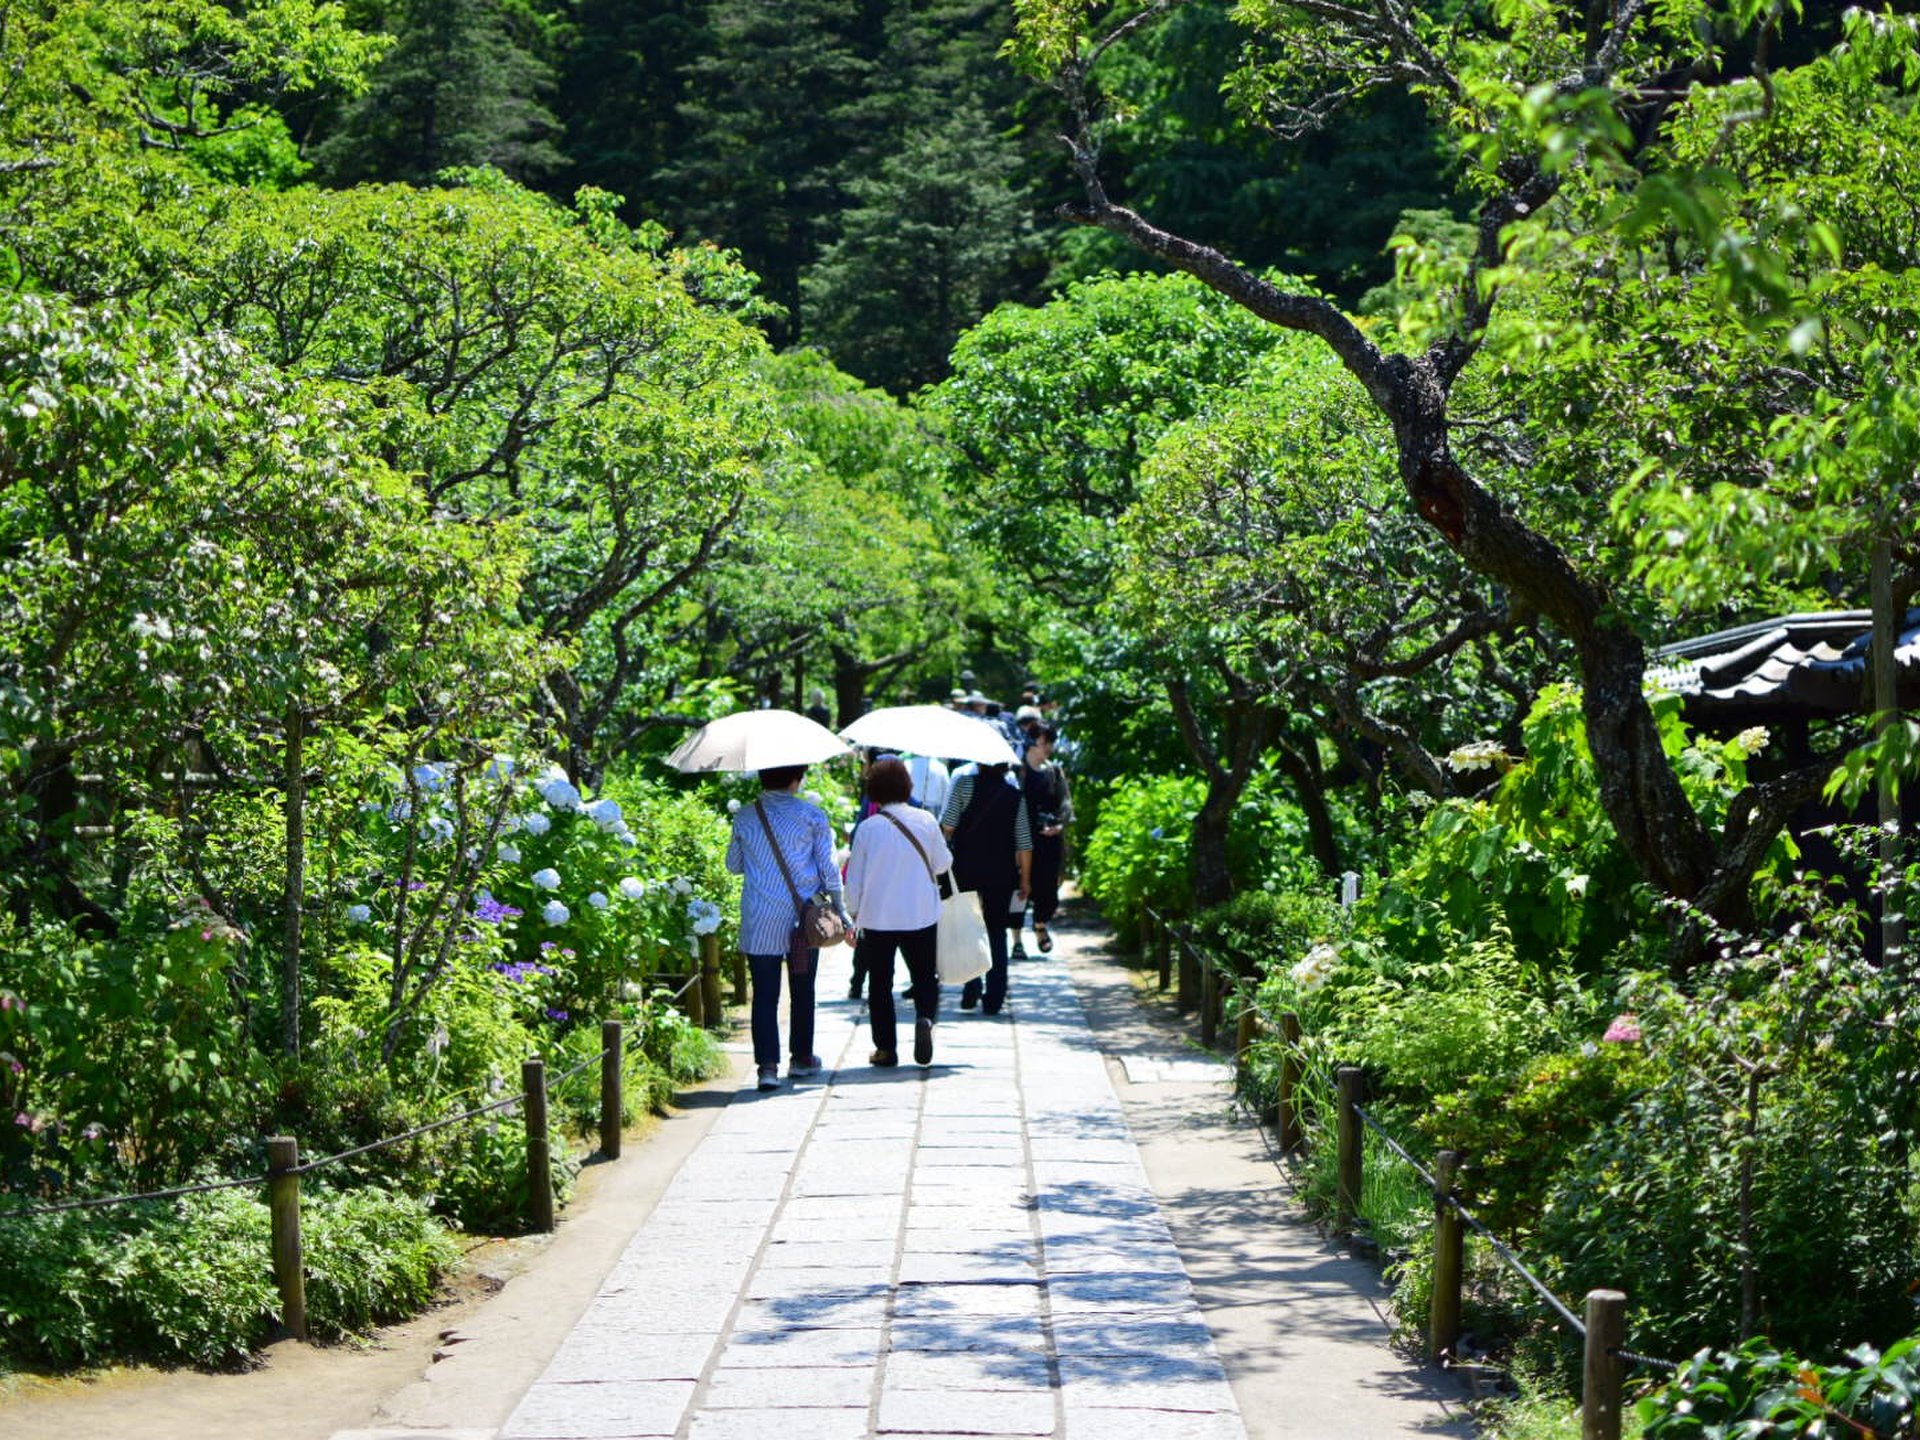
[{"x": 998, "y": 829}]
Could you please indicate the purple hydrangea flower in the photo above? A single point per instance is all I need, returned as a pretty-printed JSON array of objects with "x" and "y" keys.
[{"x": 490, "y": 911}]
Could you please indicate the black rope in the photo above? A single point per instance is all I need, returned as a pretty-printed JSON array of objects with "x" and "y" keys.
[
  {"x": 414, "y": 1133},
  {"x": 420, "y": 1130},
  {"x": 1666, "y": 1367},
  {"x": 311, "y": 1165},
  {"x": 566, "y": 1075},
  {"x": 99, "y": 1201}
]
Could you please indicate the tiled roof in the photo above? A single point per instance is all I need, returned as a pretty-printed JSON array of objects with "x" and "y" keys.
[{"x": 1798, "y": 666}]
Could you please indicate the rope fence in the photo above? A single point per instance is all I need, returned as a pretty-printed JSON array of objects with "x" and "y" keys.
[
  {"x": 700, "y": 993},
  {"x": 1194, "y": 976}
]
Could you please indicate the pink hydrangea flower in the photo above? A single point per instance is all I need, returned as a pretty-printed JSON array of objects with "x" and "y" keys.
[{"x": 1625, "y": 1030}]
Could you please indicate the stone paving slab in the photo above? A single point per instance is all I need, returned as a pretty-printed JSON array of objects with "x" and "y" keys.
[{"x": 967, "y": 1249}]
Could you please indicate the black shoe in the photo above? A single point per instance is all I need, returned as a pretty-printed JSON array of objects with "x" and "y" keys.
[
  {"x": 968, "y": 1002},
  {"x": 1046, "y": 940},
  {"x": 1018, "y": 952},
  {"x": 883, "y": 1059},
  {"x": 923, "y": 1042},
  {"x": 769, "y": 1077}
]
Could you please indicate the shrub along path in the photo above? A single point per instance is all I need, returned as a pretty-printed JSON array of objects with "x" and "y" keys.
[{"x": 974, "y": 1249}]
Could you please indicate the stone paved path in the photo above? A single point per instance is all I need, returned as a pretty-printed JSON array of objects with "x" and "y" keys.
[{"x": 972, "y": 1249}]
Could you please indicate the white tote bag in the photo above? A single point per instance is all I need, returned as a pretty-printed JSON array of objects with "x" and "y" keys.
[
  {"x": 960, "y": 944},
  {"x": 961, "y": 949}
]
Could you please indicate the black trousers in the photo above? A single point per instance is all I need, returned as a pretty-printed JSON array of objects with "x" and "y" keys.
[
  {"x": 1049, "y": 858},
  {"x": 874, "y": 952}
]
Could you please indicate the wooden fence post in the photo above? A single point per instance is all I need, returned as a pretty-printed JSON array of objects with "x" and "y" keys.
[
  {"x": 1604, "y": 1372},
  {"x": 1163, "y": 952},
  {"x": 1287, "y": 1103},
  {"x": 1186, "y": 991},
  {"x": 1209, "y": 1002},
  {"x": 1449, "y": 1258},
  {"x": 710, "y": 979},
  {"x": 1146, "y": 931},
  {"x": 1347, "y": 1207},
  {"x": 612, "y": 1084},
  {"x": 740, "y": 995},
  {"x": 533, "y": 1081},
  {"x": 283, "y": 1209}
]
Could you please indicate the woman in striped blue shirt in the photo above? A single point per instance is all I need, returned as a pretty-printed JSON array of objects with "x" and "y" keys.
[{"x": 769, "y": 915}]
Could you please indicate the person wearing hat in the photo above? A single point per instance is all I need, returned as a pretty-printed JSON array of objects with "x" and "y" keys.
[{"x": 956, "y": 699}]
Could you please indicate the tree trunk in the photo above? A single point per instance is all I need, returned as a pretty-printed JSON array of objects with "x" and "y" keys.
[
  {"x": 1301, "y": 765},
  {"x": 296, "y": 851},
  {"x": 1208, "y": 869},
  {"x": 849, "y": 689}
]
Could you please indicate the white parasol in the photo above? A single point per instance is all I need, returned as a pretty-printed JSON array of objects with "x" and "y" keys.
[
  {"x": 933, "y": 731},
  {"x": 757, "y": 740}
]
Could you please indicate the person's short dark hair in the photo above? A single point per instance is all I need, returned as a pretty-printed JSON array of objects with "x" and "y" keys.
[
  {"x": 779, "y": 777},
  {"x": 889, "y": 782},
  {"x": 995, "y": 771},
  {"x": 1046, "y": 732}
]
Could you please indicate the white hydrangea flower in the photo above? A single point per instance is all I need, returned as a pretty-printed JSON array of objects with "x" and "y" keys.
[
  {"x": 682, "y": 886},
  {"x": 705, "y": 916},
  {"x": 633, "y": 889},
  {"x": 1577, "y": 886},
  {"x": 554, "y": 913},
  {"x": 733, "y": 807},
  {"x": 1313, "y": 969},
  {"x": 547, "y": 879},
  {"x": 430, "y": 777},
  {"x": 510, "y": 853},
  {"x": 1753, "y": 740},
  {"x": 597, "y": 899},
  {"x": 1479, "y": 755},
  {"x": 537, "y": 824}
]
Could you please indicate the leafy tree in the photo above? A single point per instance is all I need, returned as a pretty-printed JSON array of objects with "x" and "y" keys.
[
  {"x": 1050, "y": 412},
  {"x": 533, "y": 363},
  {"x": 1285, "y": 597},
  {"x": 924, "y": 248},
  {"x": 769, "y": 129},
  {"x": 91, "y": 87},
  {"x": 457, "y": 89},
  {"x": 203, "y": 566},
  {"x": 1320, "y": 205},
  {"x": 1554, "y": 119},
  {"x": 623, "y": 82},
  {"x": 844, "y": 566}
]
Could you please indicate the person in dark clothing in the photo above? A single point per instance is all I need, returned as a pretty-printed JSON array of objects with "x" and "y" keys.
[
  {"x": 1049, "y": 810},
  {"x": 986, "y": 824}
]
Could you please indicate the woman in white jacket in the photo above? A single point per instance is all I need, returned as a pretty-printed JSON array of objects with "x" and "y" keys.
[{"x": 894, "y": 897}]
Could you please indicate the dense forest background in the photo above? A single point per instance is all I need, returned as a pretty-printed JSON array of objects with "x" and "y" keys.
[{"x": 878, "y": 165}]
